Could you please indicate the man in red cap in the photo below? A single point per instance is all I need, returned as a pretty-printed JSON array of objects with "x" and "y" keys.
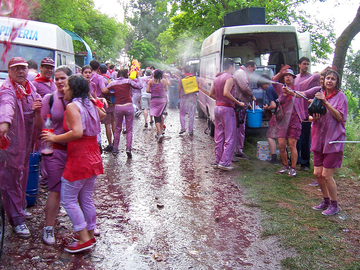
[
  {"x": 19, "y": 119},
  {"x": 43, "y": 81}
]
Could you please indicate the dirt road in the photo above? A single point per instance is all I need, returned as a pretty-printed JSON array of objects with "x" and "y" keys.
[{"x": 166, "y": 208}]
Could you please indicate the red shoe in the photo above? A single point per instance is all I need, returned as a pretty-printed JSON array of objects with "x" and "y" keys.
[
  {"x": 76, "y": 238},
  {"x": 75, "y": 247}
]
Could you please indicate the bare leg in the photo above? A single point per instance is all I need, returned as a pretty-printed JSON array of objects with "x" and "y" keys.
[
  {"x": 272, "y": 145},
  {"x": 318, "y": 172},
  {"x": 327, "y": 175},
  {"x": 52, "y": 208},
  {"x": 293, "y": 152},
  {"x": 282, "y": 149}
]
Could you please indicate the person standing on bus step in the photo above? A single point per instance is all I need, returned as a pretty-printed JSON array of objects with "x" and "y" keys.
[
  {"x": 33, "y": 70},
  {"x": 20, "y": 120},
  {"x": 43, "y": 81},
  {"x": 222, "y": 90},
  {"x": 243, "y": 92},
  {"x": 187, "y": 103}
]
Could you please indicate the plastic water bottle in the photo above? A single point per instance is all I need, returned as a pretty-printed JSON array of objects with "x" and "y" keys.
[
  {"x": 257, "y": 107},
  {"x": 47, "y": 147}
]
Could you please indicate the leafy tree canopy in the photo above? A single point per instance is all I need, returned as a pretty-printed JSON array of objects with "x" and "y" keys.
[{"x": 104, "y": 35}]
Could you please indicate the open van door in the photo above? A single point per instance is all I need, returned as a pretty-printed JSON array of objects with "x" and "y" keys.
[{"x": 305, "y": 46}]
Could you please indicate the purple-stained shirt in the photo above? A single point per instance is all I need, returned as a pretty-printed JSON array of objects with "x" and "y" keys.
[
  {"x": 56, "y": 111},
  {"x": 303, "y": 83},
  {"x": 327, "y": 128},
  {"x": 219, "y": 84},
  {"x": 89, "y": 116},
  {"x": 43, "y": 88},
  {"x": 157, "y": 90},
  {"x": 290, "y": 103},
  {"x": 19, "y": 114},
  {"x": 99, "y": 82}
]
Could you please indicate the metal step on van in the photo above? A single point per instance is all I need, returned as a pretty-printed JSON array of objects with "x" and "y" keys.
[{"x": 270, "y": 46}]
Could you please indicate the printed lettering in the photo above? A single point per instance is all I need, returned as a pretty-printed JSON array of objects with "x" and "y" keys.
[
  {"x": 2, "y": 29},
  {"x": 8, "y": 31},
  {"x": 21, "y": 32},
  {"x": 35, "y": 36},
  {"x": 31, "y": 34},
  {"x": 26, "y": 33}
]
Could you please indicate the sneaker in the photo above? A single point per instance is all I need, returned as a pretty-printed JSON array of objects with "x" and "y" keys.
[
  {"x": 224, "y": 168},
  {"x": 182, "y": 131},
  {"x": 137, "y": 114},
  {"x": 22, "y": 231},
  {"x": 322, "y": 206},
  {"x": 28, "y": 215},
  {"x": 76, "y": 247},
  {"x": 124, "y": 131},
  {"x": 128, "y": 153},
  {"x": 271, "y": 161},
  {"x": 114, "y": 153},
  {"x": 151, "y": 122},
  {"x": 292, "y": 172},
  {"x": 160, "y": 138},
  {"x": 191, "y": 133},
  {"x": 146, "y": 125},
  {"x": 284, "y": 169},
  {"x": 76, "y": 238},
  {"x": 48, "y": 235},
  {"x": 314, "y": 184},
  {"x": 109, "y": 148},
  {"x": 332, "y": 210},
  {"x": 305, "y": 168},
  {"x": 215, "y": 165},
  {"x": 242, "y": 156},
  {"x": 163, "y": 131}
]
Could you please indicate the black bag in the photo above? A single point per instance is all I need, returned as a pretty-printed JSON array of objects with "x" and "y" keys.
[
  {"x": 317, "y": 106},
  {"x": 240, "y": 114}
]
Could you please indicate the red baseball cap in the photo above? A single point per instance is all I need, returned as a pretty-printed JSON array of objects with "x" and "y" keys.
[
  {"x": 17, "y": 61},
  {"x": 47, "y": 61}
]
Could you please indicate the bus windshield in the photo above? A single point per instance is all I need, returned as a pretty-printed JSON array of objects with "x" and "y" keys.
[{"x": 26, "y": 52}]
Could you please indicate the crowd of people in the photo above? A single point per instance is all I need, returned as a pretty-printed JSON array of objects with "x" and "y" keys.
[
  {"x": 77, "y": 105},
  {"x": 287, "y": 101}
]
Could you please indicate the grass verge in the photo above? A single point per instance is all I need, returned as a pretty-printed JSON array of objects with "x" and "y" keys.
[{"x": 321, "y": 242}]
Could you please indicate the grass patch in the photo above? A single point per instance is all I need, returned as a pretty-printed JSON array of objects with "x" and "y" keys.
[{"x": 320, "y": 242}]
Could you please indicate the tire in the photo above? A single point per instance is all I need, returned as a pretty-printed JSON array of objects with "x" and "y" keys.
[
  {"x": 201, "y": 114},
  {"x": 2, "y": 225}
]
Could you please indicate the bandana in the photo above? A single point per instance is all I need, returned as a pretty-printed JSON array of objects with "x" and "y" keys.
[
  {"x": 332, "y": 94},
  {"x": 20, "y": 90},
  {"x": 40, "y": 78}
]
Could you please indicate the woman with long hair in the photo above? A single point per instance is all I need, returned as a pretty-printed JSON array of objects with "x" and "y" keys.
[
  {"x": 83, "y": 162},
  {"x": 158, "y": 87}
]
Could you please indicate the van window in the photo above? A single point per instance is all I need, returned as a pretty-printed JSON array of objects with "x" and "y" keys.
[
  {"x": 59, "y": 59},
  {"x": 27, "y": 52},
  {"x": 63, "y": 60}
]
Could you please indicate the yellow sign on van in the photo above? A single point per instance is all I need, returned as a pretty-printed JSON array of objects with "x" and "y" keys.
[{"x": 189, "y": 84}]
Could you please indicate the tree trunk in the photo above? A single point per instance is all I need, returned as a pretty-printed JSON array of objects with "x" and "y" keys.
[{"x": 343, "y": 43}]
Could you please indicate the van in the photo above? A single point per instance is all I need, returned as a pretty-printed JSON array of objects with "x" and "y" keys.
[
  {"x": 34, "y": 40},
  {"x": 270, "y": 46}
]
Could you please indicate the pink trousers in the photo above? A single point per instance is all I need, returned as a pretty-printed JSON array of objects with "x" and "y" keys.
[{"x": 225, "y": 135}]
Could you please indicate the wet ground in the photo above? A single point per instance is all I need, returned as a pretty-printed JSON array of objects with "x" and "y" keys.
[{"x": 166, "y": 208}]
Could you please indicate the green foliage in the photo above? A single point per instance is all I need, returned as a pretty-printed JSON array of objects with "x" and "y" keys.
[
  {"x": 204, "y": 17},
  {"x": 143, "y": 51},
  {"x": 104, "y": 35},
  {"x": 351, "y": 73}
]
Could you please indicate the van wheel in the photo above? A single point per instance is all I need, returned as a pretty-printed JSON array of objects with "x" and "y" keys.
[
  {"x": 2, "y": 225},
  {"x": 211, "y": 128},
  {"x": 201, "y": 114}
]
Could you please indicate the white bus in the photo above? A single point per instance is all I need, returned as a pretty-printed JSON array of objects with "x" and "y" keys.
[
  {"x": 269, "y": 46},
  {"x": 34, "y": 40}
]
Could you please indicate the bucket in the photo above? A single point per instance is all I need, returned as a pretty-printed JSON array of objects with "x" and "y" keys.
[
  {"x": 263, "y": 150},
  {"x": 254, "y": 118},
  {"x": 33, "y": 179}
]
